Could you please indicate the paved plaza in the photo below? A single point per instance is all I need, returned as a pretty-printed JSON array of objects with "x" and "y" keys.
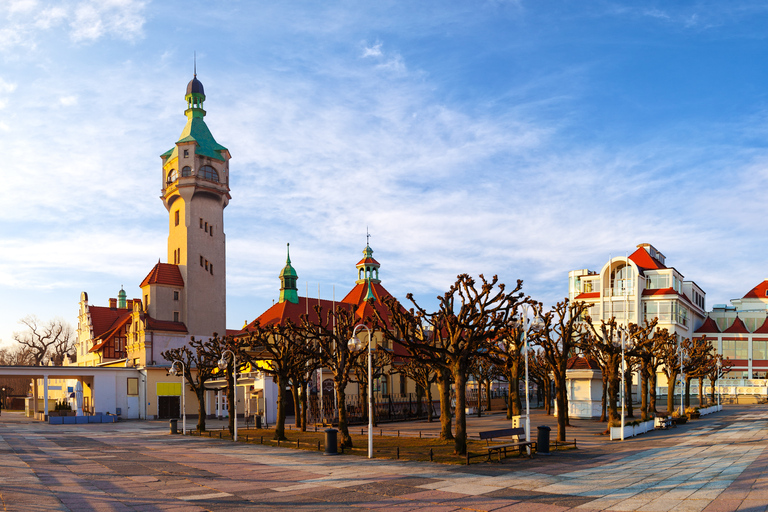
[{"x": 717, "y": 463}]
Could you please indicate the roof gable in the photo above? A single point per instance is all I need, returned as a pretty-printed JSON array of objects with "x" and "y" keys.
[
  {"x": 737, "y": 327},
  {"x": 164, "y": 273},
  {"x": 709, "y": 326},
  {"x": 758, "y": 292},
  {"x": 104, "y": 319},
  {"x": 644, "y": 260}
]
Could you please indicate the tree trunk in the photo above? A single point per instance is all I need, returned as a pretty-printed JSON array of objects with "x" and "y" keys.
[
  {"x": 671, "y": 378},
  {"x": 628, "y": 394},
  {"x": 346, "y": 439},
  {"x": 296, "y": 404},
  {"x": 444, "y": 385},
  {"x": 712, "y": 390},
  {"x": 201, "y": 408},
  {"x": 488, "y": 394},
  {"x": 232, "y": 403},
  {"x": 701, "y": 391},
  {"x": 430, "y": 413},
  {"x": 514, "y": 405},
  {"x": 460, "y": 441},
  {"x": 652, "y": 391},
  {"x": 644, "y": 393},
  {"x": 613, "y": 394},
  {"x": 561, "y": 395},
  {"x": 281, "y": 392},
  {"x": 304, "y": 405},
  {"x": 687, "y": 395},
  {"x": 604, "y": 399},
  {"x": 548, "y": 398}
]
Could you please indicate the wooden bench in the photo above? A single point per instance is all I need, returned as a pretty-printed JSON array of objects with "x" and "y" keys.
[
  {"x": 502, "y": 448},
  {"x": 664, "y": 422}
]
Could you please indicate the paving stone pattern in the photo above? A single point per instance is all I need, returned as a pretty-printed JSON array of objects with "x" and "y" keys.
[{"x": 715, "y": 464}]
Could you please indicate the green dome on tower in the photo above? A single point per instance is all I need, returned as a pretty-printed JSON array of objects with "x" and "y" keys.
[{"x": 288, "y": 290}]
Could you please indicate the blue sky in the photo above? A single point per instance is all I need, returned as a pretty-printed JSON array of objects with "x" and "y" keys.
[{"x": 518, "y": 138}]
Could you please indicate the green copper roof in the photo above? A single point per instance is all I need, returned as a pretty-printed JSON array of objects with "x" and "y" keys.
[
  {"x": 196, "y": 130},
  {"x": 288, "y": 276}
]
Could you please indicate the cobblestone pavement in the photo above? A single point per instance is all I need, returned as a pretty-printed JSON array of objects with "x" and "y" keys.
[{"x": 718, "y": 463}]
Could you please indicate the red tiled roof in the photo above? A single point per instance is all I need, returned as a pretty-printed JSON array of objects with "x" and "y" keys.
[
  {"x": 232, "y": 332},
  {"x": 282, "y": 311},
  {"x": 367, "y": 261},
  {"x": 164, "y": 273},
  {"x": 660, "y": 291},
  {"x": 709, "y": 326},
  {"x": 104, "y": 338},
  {"x": 763, "y": 329},
  {"x": 582, "y": 363},
  {"x": 643, "y": 259},
  {"x": 104, "y": 319},
  {"x": 758, "y": 292},
  {"x": 737, "y": 327},
  {"x": 588, "y": 295},
  {"x": 165, "y": 325}
]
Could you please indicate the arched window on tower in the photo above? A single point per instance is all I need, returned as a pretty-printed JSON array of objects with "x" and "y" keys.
[
  {"x": 208, "y": 173},
  {"x": 621, "y": 280},
  {"x": 172, "y": 176},
  {"x": 186, "y": 171}
]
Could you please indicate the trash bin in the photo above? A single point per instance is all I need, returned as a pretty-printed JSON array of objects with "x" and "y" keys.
[
  {"x": 257, "y": 420},
  {"x": 542, "y": 442},
  {"x": 330, "y": 442},
  {"x": 173, "y": 424}
]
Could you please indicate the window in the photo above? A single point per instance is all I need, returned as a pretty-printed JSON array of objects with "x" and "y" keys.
[
  {"x": 211, "y": 268},
  {"x": 186, "y": 170},
  {"x": 175, "y": 316},
  {"x": 735, "y": 349},
  {"x": 201, "y": 261},
  {"x": 657, "y": 282},
  {"x": 201, "y": 223},
  {"x": 186, "y": 154},
  {"x": 146, "y": 301},
  {"x": 208, "y": 173},
  {"x": 210, "y": 230},
  {"x": 586, "y": 286},
  {"x": 175, "y": 295},
  {"x": 206, "y": 227},
  {"x": 176, "y": 218},
  {"x": 621, "y": 280},
  {"x": 172, "y": 176},
  {"x": 759, "y": 350},
  {"x": 206, "y": 264},
  {"x": 133, "y": 386}
]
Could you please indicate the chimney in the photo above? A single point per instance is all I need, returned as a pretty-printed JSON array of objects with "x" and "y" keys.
[
  {"x": 129, "y": 304},
  {"x": 113, "y": 303}
]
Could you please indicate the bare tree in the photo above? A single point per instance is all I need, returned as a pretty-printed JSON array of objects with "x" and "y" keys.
[
  {"x": 46, "y": 341},
  {"x": 16, "y": 355},
  {"x": 564, "y": 331},
  {"x": 200, "y": 357},
  {"x": 328, "y": 336},
  {"x": 424, "y": 376},
  {"x": 469, "y": 319}
]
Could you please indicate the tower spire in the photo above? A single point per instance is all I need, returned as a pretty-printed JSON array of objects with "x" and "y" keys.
[
  {"x": 195, "y": 64},
  {"x": 289, "y": 292}
]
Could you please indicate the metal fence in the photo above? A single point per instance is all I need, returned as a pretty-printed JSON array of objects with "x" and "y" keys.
[{"x": 389, "y": 407}]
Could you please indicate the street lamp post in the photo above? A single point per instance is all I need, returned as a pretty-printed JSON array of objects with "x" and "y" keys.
[
  {"x": 537, "y": 324},
  {"x": 355, "y": 344},
  {"x": 719, "y": 376},
  {"x": 174, "y": 371},
  {"x": 222, "y": 365}
]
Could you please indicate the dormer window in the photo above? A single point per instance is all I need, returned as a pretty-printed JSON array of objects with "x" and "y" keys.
[{"x": 208, "y": 173}]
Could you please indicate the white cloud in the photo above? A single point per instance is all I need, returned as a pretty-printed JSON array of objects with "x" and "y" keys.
[
  {"x": 372, "y": 51},
  {"x": 27, "y": 21},
  {"x": 68, "y": 101}
]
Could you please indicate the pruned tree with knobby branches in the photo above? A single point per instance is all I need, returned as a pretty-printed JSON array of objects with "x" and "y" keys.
[
  {"x": 199, "y": 366},
  {"x": 564, "y": 331},
  {"x": 328, "y": 336},
  {"x": 470, "y": 317}
]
